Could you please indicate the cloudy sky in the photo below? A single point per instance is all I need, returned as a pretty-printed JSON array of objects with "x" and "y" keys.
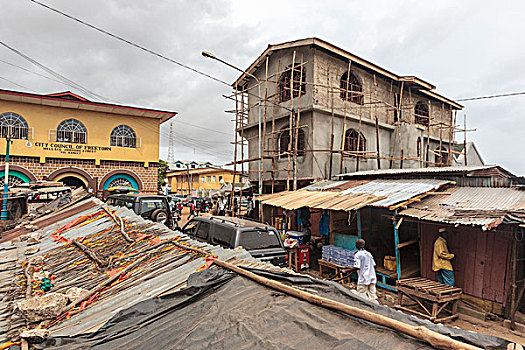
[{"x": 465, "y": 48}]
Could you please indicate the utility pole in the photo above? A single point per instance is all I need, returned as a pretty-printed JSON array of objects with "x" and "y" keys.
[
  {"x": 171, "y": 144},
  {"x": 5, "y": 213}
]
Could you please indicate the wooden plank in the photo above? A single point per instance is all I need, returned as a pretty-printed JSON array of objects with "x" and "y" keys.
[
  {"x": 404, "y": 244},
  {"x": 444, "y": 319},
  {"x": 498, "y": 266},
  {"x": 488, "y": 292},
  {"x": 479, "y": 265},
  {"x": 426, "y": 296},
  {"x": 404, "y": 308},
  {"x": 407, "y": 280}
]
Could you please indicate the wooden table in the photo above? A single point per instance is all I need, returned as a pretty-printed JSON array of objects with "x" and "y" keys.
[
  {"x": 423, "y": 291},
  {"x": 339, "y": 269}
]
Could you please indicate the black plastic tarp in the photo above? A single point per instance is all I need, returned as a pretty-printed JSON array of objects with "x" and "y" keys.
[{"x": 220, "y": 310}]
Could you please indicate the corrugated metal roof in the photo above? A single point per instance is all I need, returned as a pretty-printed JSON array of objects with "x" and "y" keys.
[
  {"x": 376, "y": 193},
  {"x": 168, "y": 271},
  {"x": 318, "y": 199},
  {"x": 396, "y": 191},
  {"x": 323, "y": 185},
  {"x": 481, "y": 206},
  {"x": 430, "y": 170}
]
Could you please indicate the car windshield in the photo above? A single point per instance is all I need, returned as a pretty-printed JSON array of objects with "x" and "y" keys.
[
  {"x": 259, "y": 239},
  {"x": 147, "y": 205},
  {"x": 189, "y": 228}
]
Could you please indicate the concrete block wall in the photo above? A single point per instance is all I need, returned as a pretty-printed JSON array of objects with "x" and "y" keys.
[{"x": 324, "y": 69}]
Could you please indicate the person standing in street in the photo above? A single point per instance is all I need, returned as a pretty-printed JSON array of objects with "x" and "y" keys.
[
  {"x": 441, "y": 259},
  {"x": 192, "y": 209},
  {"x": 364, "y": 262}
]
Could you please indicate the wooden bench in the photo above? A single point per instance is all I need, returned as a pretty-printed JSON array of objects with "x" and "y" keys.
[
  {"x": 338, "y": 269},
  {"x": 423, "y": 291}
]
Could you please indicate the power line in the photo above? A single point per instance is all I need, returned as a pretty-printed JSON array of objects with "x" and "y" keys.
[
  {"x": 148, "y": 50},
  {"x": 30, "y": 71},
  {"x": 52, "y": 72},
  {"x": 129, "y": 42},
  {"x": 201, "y": 127},
  {"x": 12, "y": 82},
  {"x": 491, "y": 96}
]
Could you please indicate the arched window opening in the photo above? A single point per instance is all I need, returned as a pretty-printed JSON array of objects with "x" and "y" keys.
[
  {"x": 285, "y": 83},
  {"x": 418, "y": 147},
  {"x": 13, "y": 180},
  {"x": 13, "y": 126},
  {"x": 284, "y": 143},
  {"x": 441, "y": 156},
  {"x": 120, "y": 181},
  {"x": 421, "y": 114},
  {"x": 351, "y": 89},
  {"x": 123, "y": 136},
  {"x": 354, "y": 141},
  {"x": 72, "y": 131}
]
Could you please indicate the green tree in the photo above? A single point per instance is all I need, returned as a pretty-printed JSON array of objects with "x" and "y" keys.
[{"x": 163, "y": 168}]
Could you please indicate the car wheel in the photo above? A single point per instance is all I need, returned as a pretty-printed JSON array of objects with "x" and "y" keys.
[{"x": 160, "y": 215}]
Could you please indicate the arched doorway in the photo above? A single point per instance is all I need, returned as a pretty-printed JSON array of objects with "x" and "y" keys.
[
  {"x": 73, "y": 181},
  {"x": 73, "y": 177}
]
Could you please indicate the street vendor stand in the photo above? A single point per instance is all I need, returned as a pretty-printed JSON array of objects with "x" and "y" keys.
[{"x": 423, "y": 291}]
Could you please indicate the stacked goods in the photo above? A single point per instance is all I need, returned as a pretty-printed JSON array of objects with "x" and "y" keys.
[{"x": 339, "y": 256}]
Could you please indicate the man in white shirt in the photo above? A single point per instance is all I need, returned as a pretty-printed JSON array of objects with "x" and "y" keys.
[{"x": 364, "y": 262}]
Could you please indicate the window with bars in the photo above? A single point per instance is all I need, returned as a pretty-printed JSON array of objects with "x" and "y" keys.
[
  {"x": 285, "y": 83},
  {"x": 418, "y": 147},
  {"x": 13, "y": 126},
  {"x": 354, "y": 141},
  {"x": 351, "y": 88},
  {"x": 284, "y": 143},
  {"x": 71, "y": 131},
  {"x": 123, "y": 136},
  {"x": 421, "y": 114}
]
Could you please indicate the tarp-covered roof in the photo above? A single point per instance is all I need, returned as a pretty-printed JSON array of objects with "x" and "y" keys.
[
  {"x": 481, "y": 206},
  {"x": 219, "y": 310}
]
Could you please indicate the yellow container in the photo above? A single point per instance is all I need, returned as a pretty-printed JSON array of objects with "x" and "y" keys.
[{"x": 390, "y": 263}]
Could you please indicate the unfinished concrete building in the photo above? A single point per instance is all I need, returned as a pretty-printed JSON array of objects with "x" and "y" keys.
[{"x": 324, "y": 111}]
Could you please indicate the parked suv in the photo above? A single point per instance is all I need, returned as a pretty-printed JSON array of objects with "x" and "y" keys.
[
  {"x": 262, "y": 241},
  {"x": 152, "y": 207}
]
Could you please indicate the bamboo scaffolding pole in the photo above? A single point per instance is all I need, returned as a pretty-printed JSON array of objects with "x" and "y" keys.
[
  {"x": 441, "y": 136},
  {"x": 235, "y": 149},
  {"x": 399, "y": 118},
  {"x": 450, "y": 136},
  {"x": 330, "y": 92},
  {"x": 344, "y": 115},
  {"x": 290, "y": 122},
  {"x": 263, "y": 137},
  {"x": 297, "y": 122},
  {"x": 274, "y": 146},
  {"x": 428, "y": 133}
]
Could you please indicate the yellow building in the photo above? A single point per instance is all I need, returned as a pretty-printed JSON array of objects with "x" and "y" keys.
[
  {"x": 65, "y": 137},
  {"x": 200, "y": 182}
]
